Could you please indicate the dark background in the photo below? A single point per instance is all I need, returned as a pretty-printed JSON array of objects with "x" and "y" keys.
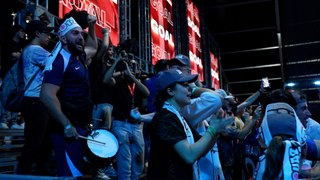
[{"x": 279, "y": 39}]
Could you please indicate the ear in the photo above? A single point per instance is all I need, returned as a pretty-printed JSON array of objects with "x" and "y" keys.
[
  {"x": 63, "y": 40},
  {"x": 37, "y": 33},
  {"x": 170, "y": 91}
]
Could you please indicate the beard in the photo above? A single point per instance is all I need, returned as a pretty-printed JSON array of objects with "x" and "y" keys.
[{"x": 76, "y": 48}]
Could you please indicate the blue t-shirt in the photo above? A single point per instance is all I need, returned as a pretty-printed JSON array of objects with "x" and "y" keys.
[{"x": 72, "y": 76}]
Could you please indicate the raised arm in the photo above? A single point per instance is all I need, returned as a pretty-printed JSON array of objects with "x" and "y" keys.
[{"x": 91, "y": 44}]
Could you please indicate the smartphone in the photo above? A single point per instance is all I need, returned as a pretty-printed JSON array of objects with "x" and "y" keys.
[{"x": 265, "y": 82}]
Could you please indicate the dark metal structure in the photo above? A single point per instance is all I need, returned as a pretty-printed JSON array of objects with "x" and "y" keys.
[{"x": 279, "y": 39}]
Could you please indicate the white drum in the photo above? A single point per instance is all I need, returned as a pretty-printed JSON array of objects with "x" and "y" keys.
[{"x": 102, "y": 146}]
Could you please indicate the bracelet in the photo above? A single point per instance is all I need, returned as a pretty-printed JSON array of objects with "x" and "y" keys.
[
  {"x": 212, "y": 131},
  {"x": 68, "y": 126},
  {"x": 193, "y": 90}
]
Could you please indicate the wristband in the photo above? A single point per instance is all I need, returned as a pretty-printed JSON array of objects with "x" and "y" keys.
[
  {"x": 260, "y": 91},
  {"x": 68, "y": 126},
  {"x": 212, "y": 131},
  {"x": 193, "y": 90}
]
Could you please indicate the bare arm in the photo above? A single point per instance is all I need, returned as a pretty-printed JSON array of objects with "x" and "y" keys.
[
  {"x": 142, "y": 88},
  {"x": 91, "y": 41},
  {"x": 105, "y": 43},
  {"x": 250, "y": 99},
  {"x": 108, "y": 77},
  {"x": 243, "y": 133},
  {"x": 48, "y": 97},
  {"x": 146, "y": 117},
  {"x": 192, "y": 152}
]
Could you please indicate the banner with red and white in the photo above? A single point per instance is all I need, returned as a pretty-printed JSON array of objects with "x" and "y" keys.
[
  {"x": 106, "y": 12},
  {"x": 162, "y": 40},
  {"x": 195, "y": 50},
  {"x": 214, "y": 71}
]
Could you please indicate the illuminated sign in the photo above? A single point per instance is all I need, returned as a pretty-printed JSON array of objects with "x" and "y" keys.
[
  {"x": 162, "y": 40},
  {"x": 214, "y": 71},
  {"x": 106, "y": 12},
  {"x": 195, "y": 51}
]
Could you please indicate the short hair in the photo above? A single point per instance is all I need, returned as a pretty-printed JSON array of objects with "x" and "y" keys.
[{"x": 161, "y": 65}]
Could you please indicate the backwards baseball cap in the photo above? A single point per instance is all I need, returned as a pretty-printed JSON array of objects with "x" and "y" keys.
[
  {"x": 281, "y": 119},
  {"x": 37, "y": 25},
  {"x": 171, "y": 76},
  {"x": 224, "y": 94}
]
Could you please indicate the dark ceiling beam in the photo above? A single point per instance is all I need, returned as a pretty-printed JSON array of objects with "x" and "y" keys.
[
  {"x": 277, "y": 13},
  {"x": 251, "y": 50},
  {"x": 304, "y": 62},
  {"x": 237, "y": 4},
  {"x": 305, "y": 76},
  {"x": 245, "y": 31},
  {"x": 304, "y": 22},
  {"x": 253, "y": 81},
  {"x": 302, "y": 44},
  {"x": 252, "y": 67}
]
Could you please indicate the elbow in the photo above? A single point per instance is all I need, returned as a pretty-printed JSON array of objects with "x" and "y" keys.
[
  {"x": 190, "y": 160},
  {"x": 109, "y": 82}
]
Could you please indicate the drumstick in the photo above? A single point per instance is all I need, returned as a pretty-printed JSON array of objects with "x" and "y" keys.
[
  {"x": 97, "y": 119},
  {"x": 92, "y": 140}
]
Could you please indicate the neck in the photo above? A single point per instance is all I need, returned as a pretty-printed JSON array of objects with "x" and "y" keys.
[
  {"x": 174, "y": 104},
  {"x": 35, "y": 42}
]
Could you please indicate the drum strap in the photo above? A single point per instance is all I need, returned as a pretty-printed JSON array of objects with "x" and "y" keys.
[{"x": 75, "y": 172}]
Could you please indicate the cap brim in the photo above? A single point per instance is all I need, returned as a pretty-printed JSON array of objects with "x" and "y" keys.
[{"x": 188, "y": 78}]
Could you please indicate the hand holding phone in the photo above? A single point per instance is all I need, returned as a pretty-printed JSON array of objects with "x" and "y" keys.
[{"x": 265, "y": 83}]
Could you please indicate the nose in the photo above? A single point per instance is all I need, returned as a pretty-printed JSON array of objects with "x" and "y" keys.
[{"x": 308, "y": 114}]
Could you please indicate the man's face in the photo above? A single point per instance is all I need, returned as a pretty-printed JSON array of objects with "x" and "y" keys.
[
  {"x": 303, "y": 112},
  {"x": 75, "y": 41}
]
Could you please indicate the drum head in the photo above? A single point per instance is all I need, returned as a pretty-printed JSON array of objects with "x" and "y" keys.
[{"x": 107, "y": 145}]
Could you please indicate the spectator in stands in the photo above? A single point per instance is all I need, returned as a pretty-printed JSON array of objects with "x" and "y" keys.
[
  {"x": 151, "y": 83},
  {"x": 282, "y": 129},
  {"x": 12, "y": 54},
  {"x": 175, "y": 146},
  {"x": 37, "y": 147},
  {"x": 66, "y": 94},
  {"x": 101, "y": 93},
  {"x": 126, "y": 124},
  {"x": 229, "y": 144}
]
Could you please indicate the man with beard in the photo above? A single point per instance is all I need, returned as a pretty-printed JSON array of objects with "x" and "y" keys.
[{"x": 66, "y": 94}]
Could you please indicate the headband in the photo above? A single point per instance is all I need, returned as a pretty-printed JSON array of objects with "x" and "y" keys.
[{"x": 64, "y": 28}]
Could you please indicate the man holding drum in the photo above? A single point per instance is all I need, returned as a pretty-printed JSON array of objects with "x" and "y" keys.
[{"x": 66, "y": 94}]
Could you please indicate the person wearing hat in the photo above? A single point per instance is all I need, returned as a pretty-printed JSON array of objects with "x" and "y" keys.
[
  {"x": 36, "y": 147},
  {"x": 66, "y": 94},
  {"x": 181, "y": 62},
  {"x": 175, "y": 145},
  {"x": 284, "y": 139}
]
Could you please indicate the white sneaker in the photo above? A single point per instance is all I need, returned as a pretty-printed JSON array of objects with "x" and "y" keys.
[
  {"x": 4, "y": 126},
  {"x": 101, "y": 175},
  {"x": 16, "y": 126}
]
